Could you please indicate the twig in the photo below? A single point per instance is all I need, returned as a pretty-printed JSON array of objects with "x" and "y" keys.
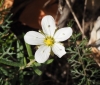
[
  {"x": 83, "y": 20},
  {"x": 46, "y": 3},
  {"x": 67, "y": 2}
]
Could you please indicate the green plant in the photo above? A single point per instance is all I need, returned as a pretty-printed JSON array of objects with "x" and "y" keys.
[
  {"x": 16, "y": 59},
  {"x": 84, "y": 69}
]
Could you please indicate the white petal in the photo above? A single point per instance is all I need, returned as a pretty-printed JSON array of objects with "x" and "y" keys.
[
  {"x": 63, "y": 34},
  {"x": 34, "y": 38},
  {"x": 42, "y": 54},
  {"x": 48, "y": 25},
  {"x": 58, "y": 50},
  {"x": 98, "y": 34},
  {"x": 98, "y": 48}
]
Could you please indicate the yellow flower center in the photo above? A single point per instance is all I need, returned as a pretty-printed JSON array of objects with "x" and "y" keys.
[{"x": 49, "y": 41}]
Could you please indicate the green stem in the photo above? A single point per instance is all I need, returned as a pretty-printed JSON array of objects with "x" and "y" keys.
[{"x": 80, "y": 58}]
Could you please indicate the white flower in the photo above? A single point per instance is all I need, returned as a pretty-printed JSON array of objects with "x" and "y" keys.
[{"x": 48, "y": 40}]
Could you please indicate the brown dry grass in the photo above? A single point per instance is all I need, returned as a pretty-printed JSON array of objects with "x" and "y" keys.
[{"x": 6, "y": 5}]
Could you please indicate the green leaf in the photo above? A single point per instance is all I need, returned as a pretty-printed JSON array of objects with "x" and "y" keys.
[
  {"x": 31, "y": 57},
  {"x": 29, "y": 50},
  {"x": 25, "y": 62},
  {"x": 4, "y": 71},
  {"x": 71, "y": 23},
  {"x": 38, "y": 72},
  {"x": 10, "y": 63},
  {"x": 37, "y": 64},
  {"x": 19, "y": 50},
  {"x": 49, "y": 61},
  {"x": 1, "y": 81}
]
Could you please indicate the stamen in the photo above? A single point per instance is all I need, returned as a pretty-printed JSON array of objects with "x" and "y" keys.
[{"x": 49, "y": 41}]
